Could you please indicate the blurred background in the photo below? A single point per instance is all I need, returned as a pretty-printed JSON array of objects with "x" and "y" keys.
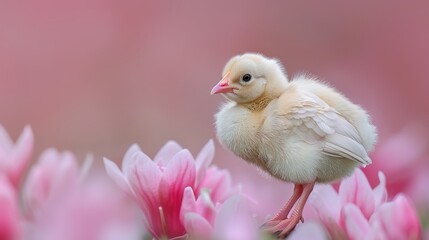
[{"x": 97, "y": 76}]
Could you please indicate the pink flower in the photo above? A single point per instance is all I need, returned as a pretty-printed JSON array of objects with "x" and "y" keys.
[
  {"x": 62, "y": 202},
  {"x": 14, "y": 157},
  {"x": 176, "y": 194},
  {"x": 359, "y": 212},
  {"x": 355, "y": 190},
  {"x": 9, "y": 211},
  {"x": 397, "y": 219},
  {"x": 93, "y": 210},
  {"x": 392, "y": 220},
  {"x": 52, "y": 177},
  {"x": 158, "y": 186}
]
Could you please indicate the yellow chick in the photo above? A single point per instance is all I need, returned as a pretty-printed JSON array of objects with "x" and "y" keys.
[{"x": 300, "y": 131}]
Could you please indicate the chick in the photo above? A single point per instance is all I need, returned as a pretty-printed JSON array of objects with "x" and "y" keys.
[{"x": 300, "y": 131}]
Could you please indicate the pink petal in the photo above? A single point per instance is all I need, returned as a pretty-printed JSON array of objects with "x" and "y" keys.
[
  {"x": 9, "y": 209},
  {"x": 167, "y": 152},
  {"x": 326, "y": 203},
  {"x": 21, "y": 154},
  {"x": 188, "y": 203},
  {"x": 204, "y": 159},
  {"x": 6, "y": 143},
  {"x": 205, "y": 207},
  {"x": 179, "y": 173},
  {"x": 354, "y": 222},
  {"x": 34, "y": 191},
  {"x": 86, "y": 166},
  {"x": 117, "y": 176},
  {"x": 145, "y": 174},
  {"x": 205, "y": 156},
  {"x": 218, "y": 182},
  {"x": 38, "y": 185},
  {"x": 376, "y": 231},
  {"x": 145, "y": 178},
  {"x": 356, "y": 189},
  {"x": 67, "y": 172},
  {"x": 235, "y": 221},
  {"x": 399, "y": 219},
  {"x": 128, "y": 159},
  {"x": 309, "y": 230},
  {"x": 380, "y": 192},
  {"x": 202, "y": 206},
  {"x": 197, "y": 226}
]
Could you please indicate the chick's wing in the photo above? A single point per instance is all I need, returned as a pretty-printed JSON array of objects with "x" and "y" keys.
[{"x": 315, "y": 121}]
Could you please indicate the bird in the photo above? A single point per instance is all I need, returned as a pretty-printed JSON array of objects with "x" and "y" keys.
[{"x": 298, "y": 130}]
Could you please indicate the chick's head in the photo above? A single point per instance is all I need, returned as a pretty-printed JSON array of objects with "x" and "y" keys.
[{"x": 250, "y": 76}]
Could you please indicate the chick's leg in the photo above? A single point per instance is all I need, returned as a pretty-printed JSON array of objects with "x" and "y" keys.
[
  {"x": 285, "y": 226},
  {"x": 282, "y": 214}
]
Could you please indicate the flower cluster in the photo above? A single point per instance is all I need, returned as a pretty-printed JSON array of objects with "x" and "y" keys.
[
  {"x": 181, "y": 196},
  {"x": 357, "y": 211}
]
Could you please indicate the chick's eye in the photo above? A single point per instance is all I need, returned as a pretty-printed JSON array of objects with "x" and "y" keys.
[{"x": 246, "y": 77}]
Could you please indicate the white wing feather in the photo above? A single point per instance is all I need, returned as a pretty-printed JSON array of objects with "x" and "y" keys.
[{"x": 316, "y": 121}]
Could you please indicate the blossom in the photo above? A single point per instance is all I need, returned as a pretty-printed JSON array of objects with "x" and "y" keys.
[
  {"x": 14, "y": 157},
  {"x": 359, "y": 212},
  {"x": 397, "y": 219},
  {"x": 53, "y": 176},
  {"x": 177, "y": 194},
  {"x": 94, "y": 210},
  {"x": 63, "y": 202},
  {"x": 158, "y": 186}
]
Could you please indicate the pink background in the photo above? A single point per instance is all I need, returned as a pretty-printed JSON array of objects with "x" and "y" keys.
[{"x": 97, "y": 76}]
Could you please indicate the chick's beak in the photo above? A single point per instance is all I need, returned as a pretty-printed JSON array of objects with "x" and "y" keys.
[{"x": 222, "y": 86}]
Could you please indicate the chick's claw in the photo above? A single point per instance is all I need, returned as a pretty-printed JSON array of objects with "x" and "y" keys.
[{"x": 281, "y": 228}]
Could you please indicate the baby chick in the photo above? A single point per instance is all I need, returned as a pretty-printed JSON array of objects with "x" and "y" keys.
[{"x": 300, "y": 131}]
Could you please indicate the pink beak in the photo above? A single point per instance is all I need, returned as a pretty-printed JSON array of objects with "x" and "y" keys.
[{"x": 222, "y": 86}]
